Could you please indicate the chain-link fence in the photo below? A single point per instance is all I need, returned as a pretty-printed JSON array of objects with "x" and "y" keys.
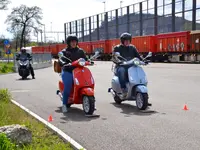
[{"x": 144, "y": 18}]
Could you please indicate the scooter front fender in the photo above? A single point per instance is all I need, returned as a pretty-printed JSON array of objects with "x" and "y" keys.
[
  {"x": 87, "y": 91},
  {"x": 141, "y": 89}
]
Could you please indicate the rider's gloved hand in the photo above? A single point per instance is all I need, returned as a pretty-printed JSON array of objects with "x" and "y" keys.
[
  {"x": 91, "y": 62},
  {"x": 146, "y": 62}
]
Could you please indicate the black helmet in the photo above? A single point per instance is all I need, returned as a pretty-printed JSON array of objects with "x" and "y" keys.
[
  {"x": 125, "y": 36},
  {"x": 23, "y": 50},
  {"x": 71, "y": 38}
]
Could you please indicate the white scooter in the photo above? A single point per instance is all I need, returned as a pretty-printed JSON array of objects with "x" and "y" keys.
[{"x": 136, "y": 84}]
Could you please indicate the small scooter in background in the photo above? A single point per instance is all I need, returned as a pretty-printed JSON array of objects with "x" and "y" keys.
[{"x": 23, "y": 67}]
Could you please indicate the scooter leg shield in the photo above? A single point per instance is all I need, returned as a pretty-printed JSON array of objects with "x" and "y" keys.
[
  {"x": 87, "y": 91},
  {"x": 141, "y": 89}
]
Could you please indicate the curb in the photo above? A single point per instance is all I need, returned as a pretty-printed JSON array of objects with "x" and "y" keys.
[{"x": 64, "y": 136}]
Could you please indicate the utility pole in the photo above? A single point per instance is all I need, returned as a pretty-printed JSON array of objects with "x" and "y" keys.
[
  {"x": 104, "y": 6},
  {"x": 121, "y": 7}
]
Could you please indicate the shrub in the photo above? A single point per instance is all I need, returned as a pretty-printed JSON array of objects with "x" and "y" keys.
[
  {"x": 5, "y": 95},
  {"x": 5, "y": 143}
]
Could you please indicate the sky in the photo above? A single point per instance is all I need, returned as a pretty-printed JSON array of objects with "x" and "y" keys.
[{"x": 60, "y": 11}]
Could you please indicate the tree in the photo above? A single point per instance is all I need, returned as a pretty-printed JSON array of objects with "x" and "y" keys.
[
  {"x": 4, "y": 4},
  {"x": 24, "y": 18}
]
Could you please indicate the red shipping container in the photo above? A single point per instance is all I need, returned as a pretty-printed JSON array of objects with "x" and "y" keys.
[
  {"x": 98, "y": 45},
  {"x": 53, "y": 49},
  {"x": 173, "y": 42},
  {"x": 110, "y": 44},
  {"x": 37, "y": 49},
  {"x": 60, "y": 47},
  {"x": 86, "y": 46},
  {"x": 144, "y": 44},
  {"x": 46, "y": 49},
  {"x": 195, "y": 41}
]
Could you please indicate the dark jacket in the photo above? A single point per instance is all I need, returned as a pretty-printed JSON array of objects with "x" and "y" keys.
[
  {"x": 27, "y": 55},
  {"x": 127, "y": 52},
  {"x": 72, "y": 54}
]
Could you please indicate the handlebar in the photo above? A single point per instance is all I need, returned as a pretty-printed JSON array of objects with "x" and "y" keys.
[
  {"x": 80, "y": 63},
  {"x": 133, "y": 62}
]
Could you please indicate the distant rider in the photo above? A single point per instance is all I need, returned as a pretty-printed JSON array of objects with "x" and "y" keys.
[
  {"x": 72, "y": 52},
  {"x": 24, "y": 54},
  {"x": 127, "y": 51}
]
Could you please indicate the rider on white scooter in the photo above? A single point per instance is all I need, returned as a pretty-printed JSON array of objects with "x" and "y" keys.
[
  {"x": 73, "y": 53},
  {"x": 127, "y": 51}
]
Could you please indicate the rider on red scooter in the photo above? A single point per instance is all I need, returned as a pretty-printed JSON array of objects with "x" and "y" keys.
[{"x": 73, "y": 52}]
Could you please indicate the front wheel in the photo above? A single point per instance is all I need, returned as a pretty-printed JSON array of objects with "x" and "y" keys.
[
  {"x": 117, "y": 99},
  {"x": 88, "y": 104},
  {"x": 142, "y": 101}
]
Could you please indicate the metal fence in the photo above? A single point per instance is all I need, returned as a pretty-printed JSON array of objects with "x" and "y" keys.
[{"x": 145, "y": 18}]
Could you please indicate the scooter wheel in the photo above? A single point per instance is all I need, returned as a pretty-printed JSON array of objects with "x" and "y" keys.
[
  {"x": 88, "y": 104},
  {"x": 142, "y": 101}
]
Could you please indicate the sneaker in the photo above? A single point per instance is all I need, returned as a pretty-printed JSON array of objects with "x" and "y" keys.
[
  {"x": 124, "y": 92},
  {"x": 33, "y": 77},
  {"x": 64, "y": 109}
]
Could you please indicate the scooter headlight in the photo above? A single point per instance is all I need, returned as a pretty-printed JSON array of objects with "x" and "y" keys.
[
  {"x": 136, "y": 62},
  {"x": 81, "y": 62}
]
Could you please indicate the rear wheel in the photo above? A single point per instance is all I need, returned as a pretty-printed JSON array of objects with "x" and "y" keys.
[
  {"x": 142, "y": 101},
  {"x": 88, "y": 105}
]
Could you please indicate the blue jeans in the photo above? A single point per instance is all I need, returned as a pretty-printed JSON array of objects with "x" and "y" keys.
[
  {"x": 67, "y": 79},
  {"x": 122, "y": 75}
]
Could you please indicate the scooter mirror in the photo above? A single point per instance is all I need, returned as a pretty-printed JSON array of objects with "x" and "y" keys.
[
  {"x": 149, "y": 54},
  {"x": 117, "y": 54},
  {"x": 97, "y": 52}
]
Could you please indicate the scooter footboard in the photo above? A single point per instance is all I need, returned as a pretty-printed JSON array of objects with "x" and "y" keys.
[
  {"x": 87, "y": 91},
  {"x": 141, "y": 89}
]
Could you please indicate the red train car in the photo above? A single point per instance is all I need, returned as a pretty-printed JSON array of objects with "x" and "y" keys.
[
  {"x": 144, "y": 44},
  {"x": 175, "y": 42},
  {"x": 167, "y": 46},
  {"x": 172, "y": 46},
  {"x": 46, "y": 49},
  {"x": 37, "y": 49},
  {"x": 86, "y": 46},
  {"x": 56, "y": 48}
]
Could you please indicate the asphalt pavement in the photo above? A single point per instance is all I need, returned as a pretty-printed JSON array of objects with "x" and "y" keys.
[{"x": 164, "y": 126}]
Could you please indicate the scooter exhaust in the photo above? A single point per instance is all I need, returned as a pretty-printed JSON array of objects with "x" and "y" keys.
[
  {"x": 110, "y": 90},
  {"x": 59, "y": 94}
]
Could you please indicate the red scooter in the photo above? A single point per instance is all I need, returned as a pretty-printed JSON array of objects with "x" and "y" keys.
[{"x": 83, "y": 88}]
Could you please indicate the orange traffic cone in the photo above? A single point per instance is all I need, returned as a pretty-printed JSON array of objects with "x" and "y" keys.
[
  {"x": 50, "y": 118},
  {"x": 185, "y": 107}
]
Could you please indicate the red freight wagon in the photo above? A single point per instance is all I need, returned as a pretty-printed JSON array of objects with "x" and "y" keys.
[
  {"x": 98, "y": 45},
  {"x": 144, "y": 44},
  {"x": 53, "y": 50},
  {"x": 86, "y": 46},
  {"x": 195, "y": 41},
  {"x": 110, "y": 44},
  {"x": 37, "y": 49},
  {"x": 173, "y": 42},
  {"x": 46, "y": 49},
  {"x": 56, "y": 48},
  {"x": 60, "y": 47}
]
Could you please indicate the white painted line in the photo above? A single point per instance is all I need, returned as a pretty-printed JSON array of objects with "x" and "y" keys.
[{"x": 52, "y": 127}]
